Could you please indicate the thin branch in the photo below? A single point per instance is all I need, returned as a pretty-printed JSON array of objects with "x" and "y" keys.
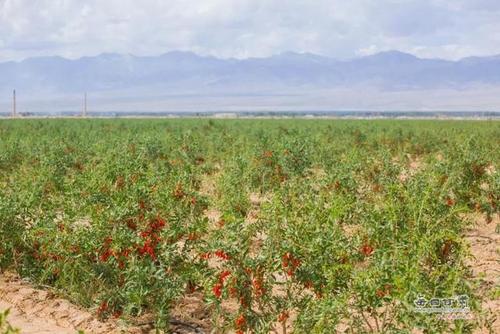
[
  {"x": 376, "y": 321},
  {"x": 367, "y": 322}
]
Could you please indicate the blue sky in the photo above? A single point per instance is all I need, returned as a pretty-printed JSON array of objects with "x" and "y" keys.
[{"x": 449, "y": 29}]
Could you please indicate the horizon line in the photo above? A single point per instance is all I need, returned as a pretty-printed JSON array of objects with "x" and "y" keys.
[{"x": 208, "y": 56}]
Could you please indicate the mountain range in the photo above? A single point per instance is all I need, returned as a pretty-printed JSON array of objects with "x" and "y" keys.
[{"x": 281, "y": 81}]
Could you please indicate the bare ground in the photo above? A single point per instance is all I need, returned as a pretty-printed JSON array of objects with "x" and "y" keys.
[
  {"x": 37, "y": 311},
  {"x": 484, "y": 244}
]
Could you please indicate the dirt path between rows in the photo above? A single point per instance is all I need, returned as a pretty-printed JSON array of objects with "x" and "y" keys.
[
  {"x": 30, "y": 324},
  {"x": 36, "y": 311},
  {"x": 484, "y": 241},
  {"x": 39, "y": 311}
]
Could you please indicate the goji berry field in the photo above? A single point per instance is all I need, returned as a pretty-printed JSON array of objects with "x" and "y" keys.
[{"x": 304, "y": 226}]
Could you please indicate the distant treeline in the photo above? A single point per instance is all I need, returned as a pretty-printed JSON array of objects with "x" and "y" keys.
[{"x": 346, "y": 114}]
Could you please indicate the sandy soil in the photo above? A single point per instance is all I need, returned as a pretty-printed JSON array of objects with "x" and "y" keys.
[
  {"x": 484, "y": 244},
  {"x": 36, "y": 311}
]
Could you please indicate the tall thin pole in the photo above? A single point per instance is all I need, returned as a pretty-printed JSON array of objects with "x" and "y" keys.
[
  {"x": 85, "y": 105},
  {"x": 14, "y": 106}
]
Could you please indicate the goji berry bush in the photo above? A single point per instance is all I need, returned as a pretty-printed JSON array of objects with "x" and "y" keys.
[{"x": 282, "y": 225}]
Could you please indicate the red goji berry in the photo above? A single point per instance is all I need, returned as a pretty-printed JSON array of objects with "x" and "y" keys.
[
  {"x": 283, "y": 316},
  {"x": 221, "y": 254},
  {"x": 240, "y": 321},
  {"x": 205, "y": 256},
  {"x": 223, "y": 275},
  {"x": 366, "y": 249},
  {"x": 217, "y": 290}
]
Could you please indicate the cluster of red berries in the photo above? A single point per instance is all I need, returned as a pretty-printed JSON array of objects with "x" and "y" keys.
[
  {"x": 102, "y": 308},
  {"x": 205, "y": 256},
  {"x": 290, "y": 263},
  {"x": 108, "y": 252},
  {"x": 258, "y": 287},
  {"x": 218, "y": 253},
  {"x": 222, "y": 255},
  {"x": 366, "y": 249},
  {"x": 283, "y": 316},
  {"x": 240, "y": 323},
  {"x": 151, "y": 237},
  {"x": 382, "y": 292},
  {"x": 151, "y": 240},
  {"x": 217, "y": 288}
]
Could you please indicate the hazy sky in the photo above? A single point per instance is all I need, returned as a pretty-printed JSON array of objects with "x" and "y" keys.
[{"x": 449, "y": 29}]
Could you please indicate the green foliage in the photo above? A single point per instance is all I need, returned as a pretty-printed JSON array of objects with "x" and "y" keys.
[{"x": 329, "y": 224}]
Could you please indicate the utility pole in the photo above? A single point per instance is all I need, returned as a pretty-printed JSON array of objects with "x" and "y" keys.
[
  {"x": 85, "y": 105},
  {"x": 14, "y": 106}
]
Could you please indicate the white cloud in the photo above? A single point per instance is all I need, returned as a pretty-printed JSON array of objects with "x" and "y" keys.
[{"x": 244, "y": 28}]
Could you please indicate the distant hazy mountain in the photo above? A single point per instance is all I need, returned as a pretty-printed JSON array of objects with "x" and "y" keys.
[{"x": 122, "y": 77}]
